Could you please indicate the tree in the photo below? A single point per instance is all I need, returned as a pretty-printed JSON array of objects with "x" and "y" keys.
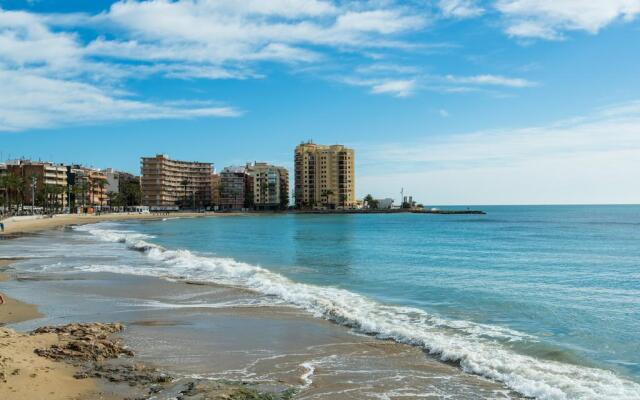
[
  {"x": 184, "y": 183},
  {"x": 101, "y": 183},
  {"x": 115, "y": 199},
  {"x": 371, "y": 202}
]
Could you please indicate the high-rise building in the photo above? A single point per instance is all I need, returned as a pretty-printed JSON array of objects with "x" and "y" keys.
[
  {"x": 236, "y": 189},
  {"x": 324, "y": 176},
  {"x": 270, "y": 186},
  {"x": 215, "y": 190},
  {"x": 42, "y": 179},
  {"x": 166, "y": 183}
]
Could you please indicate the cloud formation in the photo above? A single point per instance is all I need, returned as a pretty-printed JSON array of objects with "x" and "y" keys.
[{"x": 72, "y": 66}]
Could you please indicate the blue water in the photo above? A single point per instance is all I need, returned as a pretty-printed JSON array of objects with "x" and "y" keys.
[
  {"x": 567, "y": 275},
  {"x": 544, "y": 298}
]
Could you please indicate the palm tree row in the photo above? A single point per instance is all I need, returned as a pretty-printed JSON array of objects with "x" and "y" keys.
[{"x": 13, "y": 187}]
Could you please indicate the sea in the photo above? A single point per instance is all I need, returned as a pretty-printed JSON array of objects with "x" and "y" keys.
[{"x": 544, "y": 300}]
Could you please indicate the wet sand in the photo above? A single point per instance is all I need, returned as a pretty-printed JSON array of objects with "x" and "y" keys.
[
  {"x": 219, "y": 332},
  {"x": 12, "y": 310},
  {"x": 23, "y": 374}
]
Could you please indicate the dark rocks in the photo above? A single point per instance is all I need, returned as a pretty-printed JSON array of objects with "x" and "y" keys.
[
  {"x": 132, "y": 374},
  {"x": 84, "y": 342},
  {"x": 92, "y": 348}
]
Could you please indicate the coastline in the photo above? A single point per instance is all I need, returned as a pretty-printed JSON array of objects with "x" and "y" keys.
[
  {"x": 189, "y": 332},
  {"x": 28, "y": 225},
  {"x": 24, "y": 374}
]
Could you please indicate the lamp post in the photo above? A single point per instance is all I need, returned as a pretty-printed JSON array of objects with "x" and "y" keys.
[{"x": 34, "y": 181}]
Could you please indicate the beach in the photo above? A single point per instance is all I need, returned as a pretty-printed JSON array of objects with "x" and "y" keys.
[
  {"x": 273, "y": 348},
  {"x": 306, "y": 306},
  {"x": 29, "y": 224}
]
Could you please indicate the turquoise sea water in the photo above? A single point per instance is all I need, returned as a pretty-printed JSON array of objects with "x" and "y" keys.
[{"x": 543, "y": 298}]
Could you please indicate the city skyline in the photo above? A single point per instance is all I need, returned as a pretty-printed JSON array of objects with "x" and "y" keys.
[{"x": 457, "y": 101}]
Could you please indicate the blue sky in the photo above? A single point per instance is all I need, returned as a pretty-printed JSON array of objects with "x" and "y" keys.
[{"x": 457, "y": 101}]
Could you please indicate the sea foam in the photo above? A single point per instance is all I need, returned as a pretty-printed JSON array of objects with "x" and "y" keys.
[{"x": 478, "y": 348}]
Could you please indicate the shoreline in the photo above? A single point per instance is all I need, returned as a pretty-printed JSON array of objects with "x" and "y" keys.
[
  {"x": 89, "y": 361},
  {"x": 23, "y": 226},
  {"x": 12, "y": 310},
  {"x": 283, "y": 351},
  {"x": 24, "y": 374},
  {"x": 41, "y": 223}
]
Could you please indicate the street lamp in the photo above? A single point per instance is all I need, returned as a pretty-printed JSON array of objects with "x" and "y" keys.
[{"x": 34, "y": 181}]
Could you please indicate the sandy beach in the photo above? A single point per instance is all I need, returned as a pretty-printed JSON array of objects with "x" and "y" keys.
[
  {"x": 25, "y": 375},
  {"x": 12, "y": 227}
]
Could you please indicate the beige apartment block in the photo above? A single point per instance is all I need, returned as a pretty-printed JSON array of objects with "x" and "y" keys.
[
  {"x": 324, "y": 176},
  {"x": 167, "y": 183},
  {"x": 270, "y": 186}
]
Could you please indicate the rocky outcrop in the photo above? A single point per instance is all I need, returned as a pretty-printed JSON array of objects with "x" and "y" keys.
[
  {"x": 98, "y": 354},
  {"x": 81, "y": 343}
]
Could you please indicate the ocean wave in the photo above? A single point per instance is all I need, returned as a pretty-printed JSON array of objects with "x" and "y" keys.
[{"x": 477, "y": 348}]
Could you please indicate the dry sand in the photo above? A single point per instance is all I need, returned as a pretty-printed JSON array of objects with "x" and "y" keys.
[
  {"x": 35, "y": 225},
  {"x": 25, "y": 375}
]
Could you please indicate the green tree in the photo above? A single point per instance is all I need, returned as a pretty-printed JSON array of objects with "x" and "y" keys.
[
  {"x": 184, "y": 183},
  {"x": 371, "y": 202},
  {"x": 101, "y": 183}
]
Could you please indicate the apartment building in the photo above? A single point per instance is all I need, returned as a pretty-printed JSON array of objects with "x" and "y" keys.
[
  {"x": 236, "y": 188},
  {"x": 88, "y": 187},
  {"x": 166, "y": 183},
  {"x": 215, "y": 190},
  {"x": 38, "y": 175},
  {"x": 324, "y": 176},
  {"x": 270, "y": 186}
]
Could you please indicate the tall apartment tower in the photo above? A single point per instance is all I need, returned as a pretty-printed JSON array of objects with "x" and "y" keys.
[
  {"x": 324, "y": 176},
  {"x": 270, "y": 186},
  {"x": 166, "y": 183}
]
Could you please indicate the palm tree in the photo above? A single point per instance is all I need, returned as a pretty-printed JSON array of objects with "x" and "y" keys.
[
  {"x": 16, "y": 185},
  {"x": 101, "y": 183},
  {"x": 184, "y": 183}
]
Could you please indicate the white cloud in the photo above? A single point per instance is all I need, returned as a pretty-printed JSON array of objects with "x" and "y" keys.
[
  {"x": 548, "y": 19},
  {"x": 493, "y": 80},
  {"x": 398, "y": 88},
  {"x": 460, "y": 8},
  {"x": 185, "y": 39},
  {"x": 31, "y": 101},
  {"x": 590, "y": 160},
  {"x": 390, "y": 86}
]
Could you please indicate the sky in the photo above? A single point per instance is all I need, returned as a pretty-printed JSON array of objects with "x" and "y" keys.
[{"x": 456, "y": 101}]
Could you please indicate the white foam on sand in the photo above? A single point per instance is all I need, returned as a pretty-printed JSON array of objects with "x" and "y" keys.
[{"x": 477, "y": 348}]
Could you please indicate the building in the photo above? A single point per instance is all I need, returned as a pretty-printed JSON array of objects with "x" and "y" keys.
[
  {"x": 270, "y": 186},
  {"x": 324, "y": 176},
  {"x": 166, "y": 183},
  {"x": 87, "y": 187},
  {"x": 97, "y": 187},
  {"x": 113, "y": 180},
  {"x": 215, "y": 190},
  {"x": 236, "y": 189},
  {"x": 385, "y": 204},
  {"x": 44, "y": 180}
]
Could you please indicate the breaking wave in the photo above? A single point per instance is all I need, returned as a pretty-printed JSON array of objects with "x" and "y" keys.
[{"x": 478, "y": 348}]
